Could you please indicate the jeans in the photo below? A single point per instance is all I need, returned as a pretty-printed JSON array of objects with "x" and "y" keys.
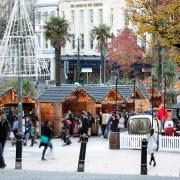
[
  {"x": 45, "y": 148},
  {"x": 103, "y": 128},
  {"x": 2, "y": 144}
]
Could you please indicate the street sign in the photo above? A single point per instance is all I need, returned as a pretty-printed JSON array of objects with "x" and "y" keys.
[{"x": 86, "y": 70}]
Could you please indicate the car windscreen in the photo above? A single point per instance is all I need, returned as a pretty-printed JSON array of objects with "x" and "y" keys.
[{"x": 139, "y": 126}]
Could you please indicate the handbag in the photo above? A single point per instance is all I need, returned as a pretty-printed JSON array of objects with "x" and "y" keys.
[{"x": 44, "y": 139}]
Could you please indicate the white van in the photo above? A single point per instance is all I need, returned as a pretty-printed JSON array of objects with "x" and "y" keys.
[{"x": 141, "y": 124}]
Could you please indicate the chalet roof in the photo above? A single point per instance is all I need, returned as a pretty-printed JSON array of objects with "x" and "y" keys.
[
  {"x": 5, "y": 91},
  {"x": 56, "y": 94},
  {"x": 96, "y": 92}
]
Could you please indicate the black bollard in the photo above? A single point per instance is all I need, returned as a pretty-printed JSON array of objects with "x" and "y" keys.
[
  {"x": 144, "y": 157},
  {"x": 18, "y": 164},
  {"x": 81, "y": 163}
]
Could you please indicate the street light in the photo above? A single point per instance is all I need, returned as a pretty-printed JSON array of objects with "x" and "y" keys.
[
  {"x": 104, "y": 53},
  {"x": 152, "y": 98},
  {"x": 78, "y": 61},
  {"x": 134, "y": 91},
  {"x": 165, "y": 84},
  {"x": 116, "y": 97},
  {"x": 78, "y": 66}
]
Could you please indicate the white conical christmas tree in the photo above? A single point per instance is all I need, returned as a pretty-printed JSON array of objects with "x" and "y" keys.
[{"x": 20, "y": 55}]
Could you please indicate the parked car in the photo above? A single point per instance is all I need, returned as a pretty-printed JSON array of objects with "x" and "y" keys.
[{"x": 141, "y": 124}]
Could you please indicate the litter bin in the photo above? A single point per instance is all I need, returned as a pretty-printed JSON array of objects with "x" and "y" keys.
[{"x": 114, "y": 140}]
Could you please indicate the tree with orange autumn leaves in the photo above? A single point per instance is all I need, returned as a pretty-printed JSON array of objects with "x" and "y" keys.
[{"x": 124, "y": 51}]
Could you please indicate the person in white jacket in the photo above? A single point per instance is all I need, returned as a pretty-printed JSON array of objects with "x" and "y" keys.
[{"x": 152, "y": 145}]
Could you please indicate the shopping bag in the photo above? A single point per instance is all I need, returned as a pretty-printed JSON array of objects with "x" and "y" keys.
[
  {"x": 11, "y": 136},
  {"x": 44, "y": 139}
]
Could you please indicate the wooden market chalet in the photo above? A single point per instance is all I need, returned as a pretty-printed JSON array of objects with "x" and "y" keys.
[
  {"x": 54, "y": 102},
  {"x": 9, "y": 101}
]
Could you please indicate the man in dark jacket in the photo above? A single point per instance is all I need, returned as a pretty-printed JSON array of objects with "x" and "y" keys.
[
  {"x": 4, "y": 130},
  {"x": 47, "y": 132}
]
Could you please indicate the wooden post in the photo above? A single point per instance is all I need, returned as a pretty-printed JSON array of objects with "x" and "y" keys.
[{"x": 57, "y": 118}]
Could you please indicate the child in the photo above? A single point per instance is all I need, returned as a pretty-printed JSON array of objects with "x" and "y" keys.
[{"x": 33, "y": 134}]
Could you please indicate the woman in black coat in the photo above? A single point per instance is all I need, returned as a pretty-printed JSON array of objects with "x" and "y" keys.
[
  {"x": 4, "y": 131},
  {"x": 114, "y": 123},
  {"x": 46, "y": 131}
]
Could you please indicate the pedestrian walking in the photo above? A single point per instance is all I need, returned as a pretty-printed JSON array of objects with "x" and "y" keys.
[
  {"x": 15, "y": 129},
  {"x": 65, "y": 134},
  {"x": 84, "y": 125},
  {"x": 10, "y": 118},
  {"x": 152, "y": 145},
  {"x": 46, "y": 134},
  {"x": 4, "y": 131},
  {"x": 33, "y": 134},
  {"x": 28, "y": 125}
]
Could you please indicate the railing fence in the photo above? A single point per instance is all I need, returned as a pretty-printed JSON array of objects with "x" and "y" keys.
[{"x": 166, "y": 143}]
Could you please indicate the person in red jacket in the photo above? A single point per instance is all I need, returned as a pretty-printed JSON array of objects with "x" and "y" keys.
[
  {"x": 162, "y": 115},
  {"x": 169, "y": 130}
]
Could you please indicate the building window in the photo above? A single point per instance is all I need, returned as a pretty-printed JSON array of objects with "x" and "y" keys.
[
  {"x": 91, "y": 15},
  {"x": 91, "y": 42},
  {"x": 112, "y": 17},
  {"x": 63, "y": 14},
  {"x": 72, "y": 16},
  {"x": 38, "y": 17},
  {"x": 45, "y": 16},
  {"x": 81, "y": 17},
  {"x": 126, "y": 19},
  {"x": 82, "y": 41},
  {"x": 52, "y": 13},
  {"x": 73, "y": 40},
  {"x": 39, "y": 40},
  {"x": 100, "y": 16}
]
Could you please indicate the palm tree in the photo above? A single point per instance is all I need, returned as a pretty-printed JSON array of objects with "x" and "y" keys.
[
  {"x": 57, "y": 31},
  {"x": 101, "y": 33},
  {"x": 170, "y": 68}
]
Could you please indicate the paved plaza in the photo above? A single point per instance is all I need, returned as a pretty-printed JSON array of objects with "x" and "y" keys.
[
  {"x": 39, "y": 175},
  {"x": 99, "y": 159}
]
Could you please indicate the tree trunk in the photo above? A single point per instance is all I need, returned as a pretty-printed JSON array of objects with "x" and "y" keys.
[
  {"x": 58, "y": 67},
  {"x": 102, "y": 66}
]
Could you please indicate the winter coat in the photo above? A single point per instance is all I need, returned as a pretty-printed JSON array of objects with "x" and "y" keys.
[
  {"x": 162, "y": 114},
  {"x": 47, "y": 131},
  {"x": 4, "y": 130},
  {"x": 113, "y": 124},
  {"x": 152, "y": 143}
]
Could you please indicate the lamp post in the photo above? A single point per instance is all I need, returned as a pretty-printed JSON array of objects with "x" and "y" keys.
[
  {"x": 152, "y": 98},
  {"x": 104, "y": 53},
  {"x": 78, "y": 62},
  {"x": 116, "y": 97},
  {"x": 165, "y": 84},
  {"x": 18, "y": 163},
  {"x": 134, "y": 90}
]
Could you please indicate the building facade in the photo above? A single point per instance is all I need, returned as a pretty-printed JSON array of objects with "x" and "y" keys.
[{"x": 82, "y": 15}]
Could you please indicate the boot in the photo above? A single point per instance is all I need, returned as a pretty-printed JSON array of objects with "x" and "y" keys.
[{"x": 154, "y": 164}]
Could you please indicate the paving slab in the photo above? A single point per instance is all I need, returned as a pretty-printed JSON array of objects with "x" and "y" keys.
[{"x": 99, "y": 159}]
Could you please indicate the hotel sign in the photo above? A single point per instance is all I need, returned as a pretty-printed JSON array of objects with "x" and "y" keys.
[{"x": 86, "y": 5}]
